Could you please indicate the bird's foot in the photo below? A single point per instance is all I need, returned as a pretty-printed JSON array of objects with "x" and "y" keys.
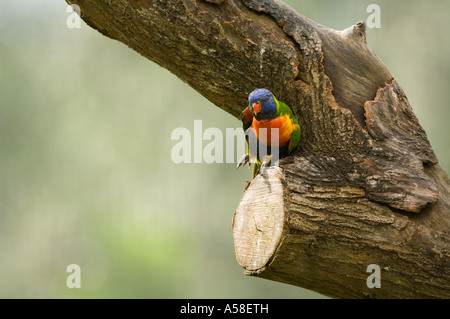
[
  {"x": 245, "y": 159},
  {"x": 267, "y": 161}
]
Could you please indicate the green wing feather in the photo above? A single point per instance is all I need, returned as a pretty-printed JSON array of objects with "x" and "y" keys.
[
  {"x": 283, "y": 109},
  {"x": 246, "y": 118}
]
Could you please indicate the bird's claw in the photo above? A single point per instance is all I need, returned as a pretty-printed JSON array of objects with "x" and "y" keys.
[
  {"x": 267, "y": 162},
  {"x": 245, "y": 159}
]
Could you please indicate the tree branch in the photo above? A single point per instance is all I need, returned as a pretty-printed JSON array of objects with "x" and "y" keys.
[{"x": 363, "y": 187}]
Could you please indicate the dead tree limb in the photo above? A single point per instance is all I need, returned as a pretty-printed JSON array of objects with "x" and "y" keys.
[{"x": 364, "y": 186}]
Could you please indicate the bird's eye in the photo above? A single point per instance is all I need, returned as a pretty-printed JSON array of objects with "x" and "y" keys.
[{"x": 267, "y": 98}]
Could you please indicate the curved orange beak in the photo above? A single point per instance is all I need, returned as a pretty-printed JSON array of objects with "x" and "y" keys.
[{"x": 256, "y": 107}]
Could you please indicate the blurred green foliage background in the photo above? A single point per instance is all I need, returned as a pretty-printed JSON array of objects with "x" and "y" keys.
[{"x": 86, "y": 175}]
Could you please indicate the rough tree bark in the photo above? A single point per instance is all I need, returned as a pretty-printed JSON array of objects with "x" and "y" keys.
[{"x": 364, "y": 186}]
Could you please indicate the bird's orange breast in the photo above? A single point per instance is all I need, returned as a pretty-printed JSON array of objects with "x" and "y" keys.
[{"x": 265, "y": 134}]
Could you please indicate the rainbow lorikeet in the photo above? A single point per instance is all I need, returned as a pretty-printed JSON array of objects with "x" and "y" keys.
[{"x": 272, "y": 127}]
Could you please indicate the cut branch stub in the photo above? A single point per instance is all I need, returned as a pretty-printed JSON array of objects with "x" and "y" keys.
[
  {"x": 261, "y": 223},
  {"x": 329, "y": 237}
]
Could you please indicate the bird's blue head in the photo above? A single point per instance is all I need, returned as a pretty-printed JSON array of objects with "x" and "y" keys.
[{"x": 262, "y": 104}]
